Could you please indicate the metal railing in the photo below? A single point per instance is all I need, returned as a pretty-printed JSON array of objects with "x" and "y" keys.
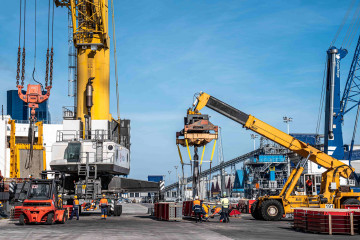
[
  {"x": 69, "y": 112},
  {"x": 71, "y": 135}
]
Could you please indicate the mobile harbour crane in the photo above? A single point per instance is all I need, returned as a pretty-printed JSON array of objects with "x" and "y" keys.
[{"x": 275, "y": 207}]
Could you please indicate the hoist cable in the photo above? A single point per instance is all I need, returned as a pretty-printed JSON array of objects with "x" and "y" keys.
[
  {"x": 23, "y": 50},
  {"x": 47, "y": 51},
  {"x": 354, "y": 33},
  {"x": 20, "y": 24},
  {"x": 321, "y": 103},
  {"x": 115, "y": 60},
  {"x": 34, "y": 70},
  {"x": 52, "y": 46},
  {"x": 48, "y": 40},
  {"x": 351, "y": 27},
  {"x": 342, "y": 23},
  {"x": 19, "y": 51},
  {"x": 52, "y": 25}
]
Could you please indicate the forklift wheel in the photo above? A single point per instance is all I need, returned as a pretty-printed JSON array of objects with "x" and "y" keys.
[
  {"x": 65, "y": 217},
  {"x": 22, "y": 219},
  {"x": 50, "y": 219}
]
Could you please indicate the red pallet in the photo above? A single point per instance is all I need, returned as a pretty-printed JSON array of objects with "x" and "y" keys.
[
  {"x": 350, "y": 206},
  {"x": 330, "y": 221},
  {"x": 167, "y": 211},
  {"x": 188, "y": 209}
]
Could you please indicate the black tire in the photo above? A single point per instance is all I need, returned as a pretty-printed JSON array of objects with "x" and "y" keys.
[
  {"x": 117, "y": 210},
  {"x": 50, "y": 219},
  {"x": 351, "y": 201},
  {"x": 255, "y": 211},
  {"x": 22, "y": 219},
  {"x": 65, "y": 217},
  {"x": 271, "y": 210},
  {"x": 109, "y": 212}
]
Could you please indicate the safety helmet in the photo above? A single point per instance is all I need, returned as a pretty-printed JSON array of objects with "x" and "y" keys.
[
  {"x": 59, "y": 195},
  {"x": 196, "y": 197},
  {"x": 224, "y": 194},
  {"x": 103, "y": 195},
  {"x": 75, "y": 197}
]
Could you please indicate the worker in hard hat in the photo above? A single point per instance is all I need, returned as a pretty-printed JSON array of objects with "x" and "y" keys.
[
  {"x": 75, "y": 208},
  {"x": 104, "y": 206},
  {"x": 60, "y": 201},
  {"x": 197, "y": 209},
  {"x": 224, "y": 209},
  {"x": 2, "y": 211}
]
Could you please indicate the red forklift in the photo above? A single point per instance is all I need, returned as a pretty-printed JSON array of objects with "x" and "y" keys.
[{"x": 41, "y": 203}]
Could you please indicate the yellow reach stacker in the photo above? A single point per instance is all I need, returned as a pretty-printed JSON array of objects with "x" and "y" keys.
[{"x": 276, "y": 207}]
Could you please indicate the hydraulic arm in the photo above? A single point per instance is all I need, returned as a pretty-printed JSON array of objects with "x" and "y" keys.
[
  {"x": 275, "y": 207},
  {"x": 270, "y": 132}
]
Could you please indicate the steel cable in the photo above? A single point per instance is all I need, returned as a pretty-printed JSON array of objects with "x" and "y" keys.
[
  {"x": 342, "y": 23},
  {"x": 115, "y": 60},
  {"x": 19, "y": 51},
  {"x": 322, "y": 97},
  {"x": 351, "y": 27}
]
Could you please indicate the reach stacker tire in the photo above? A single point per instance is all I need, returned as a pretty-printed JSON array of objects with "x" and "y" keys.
[
  {"x": 255, "y": 211},
  {"x": 271, "y": 210},
  {"x": 351, "y": 201}
]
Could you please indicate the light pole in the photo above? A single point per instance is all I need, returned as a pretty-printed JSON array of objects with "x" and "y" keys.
[
  {"x": 169, "y": 175},
  {"x": 254, "y": 136},
  {"x": 177, "y": 179},
  {"x": 287, "y": 120}
]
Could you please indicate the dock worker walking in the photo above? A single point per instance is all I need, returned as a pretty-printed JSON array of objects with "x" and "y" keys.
[
  {"x": 75, "y": 208},
  {"x": 197, "y": 209},
  {"x": 104, "y": 206},
  {"x": 225, "y": 208}
]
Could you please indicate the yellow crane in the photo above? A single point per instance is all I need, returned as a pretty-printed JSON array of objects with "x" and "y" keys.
[
  {"x": 91, "y": 39},
  {"x": 275, "y": 207}
]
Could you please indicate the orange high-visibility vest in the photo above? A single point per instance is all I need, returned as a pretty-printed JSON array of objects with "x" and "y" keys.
[
  {"x": 196, "y": 202},
  {"x": 103, "y": 202}
]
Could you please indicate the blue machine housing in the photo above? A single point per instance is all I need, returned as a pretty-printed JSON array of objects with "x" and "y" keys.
[{"x": 333, "y": 138}]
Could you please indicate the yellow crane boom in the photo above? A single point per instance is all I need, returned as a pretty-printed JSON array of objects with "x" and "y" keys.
[
  {"x": 274, "y": 134},
  {"x": 91, "y": 39}
]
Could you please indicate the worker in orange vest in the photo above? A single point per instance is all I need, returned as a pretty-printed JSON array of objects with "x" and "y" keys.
[
  {"x": 75, "y": 210},
  {"x": 309, "y": 185},
  {"x": 197, "y": 209},
  {"x": 104, "y": 206}
]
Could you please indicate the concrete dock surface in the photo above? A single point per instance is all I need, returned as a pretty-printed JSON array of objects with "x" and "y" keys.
[{"x": 135, "y": 223}]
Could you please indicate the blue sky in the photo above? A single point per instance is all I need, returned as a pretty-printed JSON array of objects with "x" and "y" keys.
[{"x": 263, "y": 57}]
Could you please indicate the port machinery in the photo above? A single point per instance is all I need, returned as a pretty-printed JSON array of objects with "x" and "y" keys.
[
  {"x": 93, "y": 147},
  {"x": 331, "y": 194}
]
